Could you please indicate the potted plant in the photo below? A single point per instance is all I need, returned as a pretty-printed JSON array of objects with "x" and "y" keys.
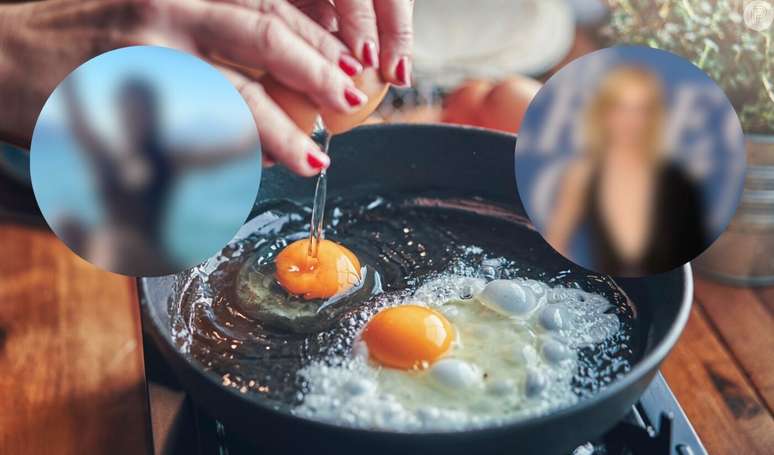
[{"x": 731, "y": 40}]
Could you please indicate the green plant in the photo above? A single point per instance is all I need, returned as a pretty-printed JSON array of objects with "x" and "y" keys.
[{"x": 713, "y": 35}]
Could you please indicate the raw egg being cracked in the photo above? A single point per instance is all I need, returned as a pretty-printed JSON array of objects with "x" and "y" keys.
[
  {"x": 304, "y": 112},
  {"x": 334, "y": 270},
  {"x": 408, "y": 336}
]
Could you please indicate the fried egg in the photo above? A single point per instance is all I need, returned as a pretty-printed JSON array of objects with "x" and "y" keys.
[{"x": 460, "y": 353}]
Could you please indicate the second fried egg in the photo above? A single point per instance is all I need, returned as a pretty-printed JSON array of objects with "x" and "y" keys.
[{"x": 460, "y": 353}]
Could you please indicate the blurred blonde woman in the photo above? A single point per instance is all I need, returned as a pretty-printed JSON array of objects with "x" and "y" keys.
[{"x": 641, "y": 213}]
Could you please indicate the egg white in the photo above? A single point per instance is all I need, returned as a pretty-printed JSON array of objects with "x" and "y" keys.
[{"x": 514, "y": 356}]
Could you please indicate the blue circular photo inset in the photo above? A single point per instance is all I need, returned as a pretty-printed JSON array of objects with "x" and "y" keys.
[
  {"x": 145, "y": 161},
  {"x": 630, "y": 161}
]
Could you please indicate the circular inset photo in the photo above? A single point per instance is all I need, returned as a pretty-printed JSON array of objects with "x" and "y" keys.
[
  {"x": 145, "y": 161},
  {"x": 630, "y": 161}
]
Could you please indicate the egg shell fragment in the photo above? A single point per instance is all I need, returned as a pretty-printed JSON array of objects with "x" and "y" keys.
[
  {"x": 369, "y": 82},
  {"x": 304, "y": 112},
  {"x": 296, "y": 105}
]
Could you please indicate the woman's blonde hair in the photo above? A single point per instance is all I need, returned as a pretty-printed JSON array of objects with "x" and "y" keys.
[{"x": 608, "y": 92}]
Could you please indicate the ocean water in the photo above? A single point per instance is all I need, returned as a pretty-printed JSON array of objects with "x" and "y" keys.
[{"x": 205, "y": 202}]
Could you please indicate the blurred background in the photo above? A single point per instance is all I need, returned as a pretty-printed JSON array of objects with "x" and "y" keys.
[
  {"x": 729, "y": 40},
  {"x": 473, "y": 71},
  {"x": 142, "y": 171}
]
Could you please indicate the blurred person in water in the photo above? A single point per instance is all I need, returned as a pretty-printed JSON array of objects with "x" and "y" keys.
[
  {"x": 641, "y": 211},
  {"x": 135, "y": 176}
]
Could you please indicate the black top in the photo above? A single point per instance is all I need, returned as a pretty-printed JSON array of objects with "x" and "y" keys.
[
  {"x": 141, "y": 206},
  {"x": 676, "y": 235}
]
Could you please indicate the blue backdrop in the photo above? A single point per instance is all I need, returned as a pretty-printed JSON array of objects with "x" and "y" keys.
[{"x": 703, "y": 133}]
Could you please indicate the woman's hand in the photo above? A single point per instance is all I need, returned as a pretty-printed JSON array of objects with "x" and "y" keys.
[
  {"x": 379, "y": 32},
  {"x": 42, "y": 42}
]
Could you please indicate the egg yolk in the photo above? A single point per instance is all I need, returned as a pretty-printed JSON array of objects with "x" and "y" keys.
[
  {"x": 334, "y": 270},
  {"x": 408, "y": 336}
]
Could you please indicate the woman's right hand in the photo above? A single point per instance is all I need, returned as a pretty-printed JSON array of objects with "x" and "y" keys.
[{"x": 42, "y": 42}]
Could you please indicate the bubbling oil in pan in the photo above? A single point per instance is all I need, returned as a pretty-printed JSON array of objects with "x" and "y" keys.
[{"x": 403, "y": 243}]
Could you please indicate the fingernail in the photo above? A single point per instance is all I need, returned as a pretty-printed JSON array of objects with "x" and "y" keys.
[
  {"x": 403, "y": 72},
  {"x": 317, "y": 160},
  {"x": 370, "y": 57},
  {"x": 354, "y": 96},
  {"x": 350, "y": 65}
]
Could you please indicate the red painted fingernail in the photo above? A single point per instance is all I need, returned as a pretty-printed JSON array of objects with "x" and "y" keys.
[
  {"x": 354, "y": 96},
  {"x": 403, "y": 71},
  {"x": 349, "y": 65},
  {"x": 317, "y": 160},
  {"x": 370, "y": 57}
]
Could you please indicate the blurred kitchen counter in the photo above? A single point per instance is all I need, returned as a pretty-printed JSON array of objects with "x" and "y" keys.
[
  {"x": 71, "y": 363},
  {"x": 71, "y": 360}
]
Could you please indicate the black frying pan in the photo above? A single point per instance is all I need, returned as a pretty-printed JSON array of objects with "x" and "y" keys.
[{"x": 408, "y": 158}]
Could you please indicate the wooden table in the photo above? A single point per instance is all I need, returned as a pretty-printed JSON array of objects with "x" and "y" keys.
[
  {"x": 722, "y": 369},
  {"x": 72, "y": 376},
  {"x": 71, "y": 362}
]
